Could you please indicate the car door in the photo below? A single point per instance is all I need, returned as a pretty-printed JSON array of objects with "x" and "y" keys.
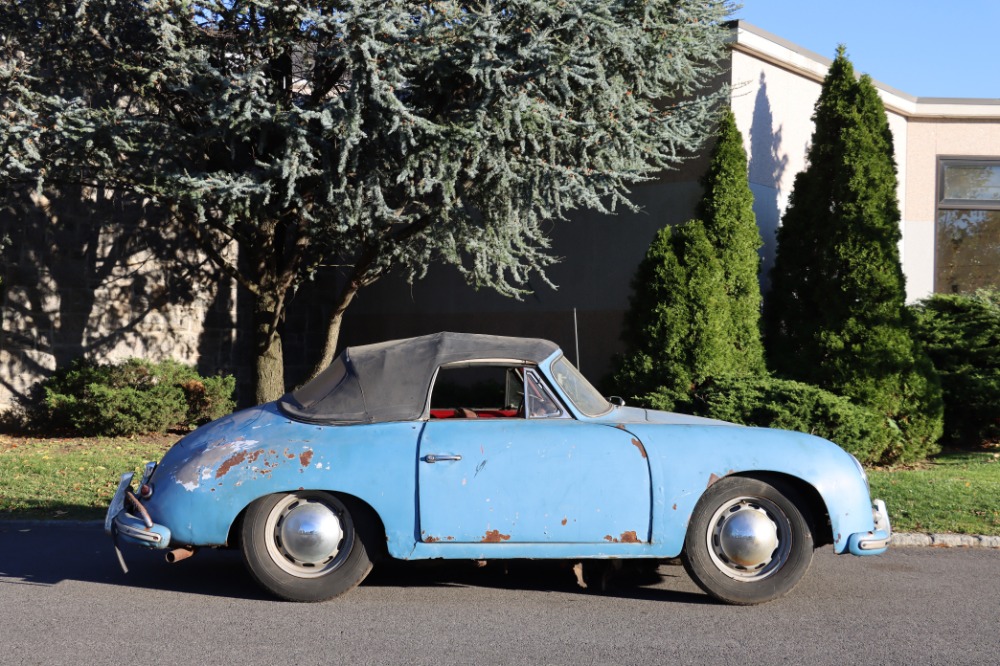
[{"x": 550, "y": 479}]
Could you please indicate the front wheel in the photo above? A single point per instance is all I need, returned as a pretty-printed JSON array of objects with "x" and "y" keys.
[
  {"x": 303, "y": 546},
  {"x": 747, "y": 541}
]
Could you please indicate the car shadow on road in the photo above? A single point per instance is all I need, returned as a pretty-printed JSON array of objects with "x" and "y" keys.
[
  {"x": 600, "y": 577},
  {"x": 32, "y": 554}
]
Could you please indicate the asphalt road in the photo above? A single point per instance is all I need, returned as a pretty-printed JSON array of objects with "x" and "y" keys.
[{"x": 65, "y": 601}]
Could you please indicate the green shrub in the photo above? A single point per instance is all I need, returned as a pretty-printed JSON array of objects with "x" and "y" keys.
[
  {"x": 779, "y": 403},
  {"x": 836, "y": 316},
  {"x": 961, "y": 334},
  {"x": 695, "y": 306},
  {"x": 129, "y": 398}
]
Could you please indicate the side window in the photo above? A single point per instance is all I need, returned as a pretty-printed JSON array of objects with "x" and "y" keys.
[
  {"x": 477, "y": 391},
  {"x": 539, "y": 401},
  {"x": 491, "y": 391}
]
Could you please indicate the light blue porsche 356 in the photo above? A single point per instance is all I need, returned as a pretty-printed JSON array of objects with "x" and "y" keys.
[{"x": 480, "y": 447}]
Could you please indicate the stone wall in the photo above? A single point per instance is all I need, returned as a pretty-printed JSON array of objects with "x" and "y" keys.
[{"x": 89, "y": 274}]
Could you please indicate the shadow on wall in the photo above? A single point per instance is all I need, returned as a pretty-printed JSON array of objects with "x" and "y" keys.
[
  {"x": 766, "y": 169},
  {"x": 94, "y": 274}
]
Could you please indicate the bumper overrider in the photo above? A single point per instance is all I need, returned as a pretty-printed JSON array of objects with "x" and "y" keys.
[
  {"x": 876, "y": 541},
  {"x": 127, "y": 519}
]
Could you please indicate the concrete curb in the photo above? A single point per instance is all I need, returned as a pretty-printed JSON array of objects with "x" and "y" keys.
[
  {"x": 904, "y": 539},
  {"x": 899, "y": 539}
]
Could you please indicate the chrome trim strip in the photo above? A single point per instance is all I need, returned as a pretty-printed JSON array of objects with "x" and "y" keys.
[{"x": 136, "y": 533}]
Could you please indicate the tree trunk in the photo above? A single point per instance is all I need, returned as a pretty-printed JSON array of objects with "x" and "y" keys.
[
  {"x": 333, "y": 327},
  {"x": 270, "y": 362}
]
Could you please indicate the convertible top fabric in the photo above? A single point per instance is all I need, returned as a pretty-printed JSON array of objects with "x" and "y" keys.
[{"x": 389, "y": 381}]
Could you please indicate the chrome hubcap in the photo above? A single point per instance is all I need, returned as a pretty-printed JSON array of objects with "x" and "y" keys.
[
  {"x": 749, "y": 538},
  {"x": 310, "y": 534}
]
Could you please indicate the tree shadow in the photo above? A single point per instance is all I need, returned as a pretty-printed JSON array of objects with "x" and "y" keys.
[
  {"x": 767, "y": 165},
  {"x": 93, "y": 273}
]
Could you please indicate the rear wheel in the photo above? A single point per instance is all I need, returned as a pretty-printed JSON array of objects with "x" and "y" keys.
[
  {"x": 303, "y": 546},
  {"x": 747, "y": 541}
]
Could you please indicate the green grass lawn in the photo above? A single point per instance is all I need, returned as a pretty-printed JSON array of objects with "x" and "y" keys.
[
  {"x": 953, "y": 492},
  {"x": 71, "y": 479},
  {"x": 75, "y": 478}
]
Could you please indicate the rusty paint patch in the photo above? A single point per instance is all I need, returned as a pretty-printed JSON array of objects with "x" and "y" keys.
[
  {"x": 289, "y": 454},
  {"x": 431, "y": 539},
  {"x": 712, "y": 479},
  {"x": 638, "y": 445},
  {"x": 305, "y": 458},
  {"x": 564, "y": 521},
  {"x": 229, "y": 463},
  {"x": 675, "y": 507},
  {"x": 494, "y": 536},
  {"x": 629, "y": 537},
  {"x": 620, "y": 426},
  {"x": 609, "y": 538}
]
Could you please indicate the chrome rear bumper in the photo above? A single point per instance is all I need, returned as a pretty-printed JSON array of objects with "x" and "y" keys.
[{"x": 876, "y": 541}]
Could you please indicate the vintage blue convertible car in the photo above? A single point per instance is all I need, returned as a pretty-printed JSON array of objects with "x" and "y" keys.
[{"x": 481, "y": 447}]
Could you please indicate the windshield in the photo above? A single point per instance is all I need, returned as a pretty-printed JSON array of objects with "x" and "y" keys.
[{"x": 576, "y": 387}]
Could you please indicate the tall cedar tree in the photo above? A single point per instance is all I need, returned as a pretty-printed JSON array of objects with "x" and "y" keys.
[
  {"x": 726, "y": 208},
  {"x": 367, "y": 135},
  {"x": 695, "y": 307},
  {"x": 835, "y": 316}
]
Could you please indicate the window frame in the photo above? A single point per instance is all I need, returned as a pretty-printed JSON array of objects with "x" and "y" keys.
[
  {"x": 963, "y": 204},
  {"x": 941, "y": 204}
]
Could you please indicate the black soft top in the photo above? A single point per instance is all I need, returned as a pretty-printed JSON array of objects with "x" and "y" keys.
[{"x": 389, "y": 381}]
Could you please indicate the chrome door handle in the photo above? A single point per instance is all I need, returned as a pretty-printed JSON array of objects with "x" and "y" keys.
[{"x": 440, "y": 457}]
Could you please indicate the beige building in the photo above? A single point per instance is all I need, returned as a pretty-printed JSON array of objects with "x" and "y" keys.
[
  {"x": 71, "y": 289},
  {"x": 947, "y": 154}
]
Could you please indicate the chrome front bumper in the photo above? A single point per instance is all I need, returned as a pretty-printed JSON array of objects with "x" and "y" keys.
[
  {"x": 121, "y": 523},
  {"x": 876, "y": 541}
]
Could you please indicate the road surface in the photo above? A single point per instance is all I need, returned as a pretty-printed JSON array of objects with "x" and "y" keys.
[{"x": 65, "y": 601}]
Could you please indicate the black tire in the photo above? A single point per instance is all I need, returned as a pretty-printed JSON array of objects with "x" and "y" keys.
[
  {"x": 747, "y": 541},
  {"x": 303, "y": 546}
]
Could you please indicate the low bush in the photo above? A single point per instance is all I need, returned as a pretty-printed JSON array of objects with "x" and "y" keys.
[
  {"x": 961, "y": 334},
  {"x": 128, "y": 398},
  {"x": 779, "y": 403}
]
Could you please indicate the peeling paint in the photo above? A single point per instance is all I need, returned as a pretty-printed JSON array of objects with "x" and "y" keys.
[
  {"x": 306, "y": 457},
  {"x": 629, "y": 537},
  {"x": 638, "y": 445},
  {"x": 494, "y": 536},
  {"x": 229, "y": 463},
  {"x": 198, "y": 467}
]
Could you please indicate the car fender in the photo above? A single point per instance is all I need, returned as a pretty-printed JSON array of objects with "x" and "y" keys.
[
  {"x": 685, "y": 460},
  {"x": 208, "y": 478}
]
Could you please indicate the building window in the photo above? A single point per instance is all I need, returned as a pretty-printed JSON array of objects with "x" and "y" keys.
[{"x": 968, "y": 225}]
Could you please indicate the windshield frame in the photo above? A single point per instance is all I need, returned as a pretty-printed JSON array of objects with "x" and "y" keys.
[{"x": 574, "y": 386}]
